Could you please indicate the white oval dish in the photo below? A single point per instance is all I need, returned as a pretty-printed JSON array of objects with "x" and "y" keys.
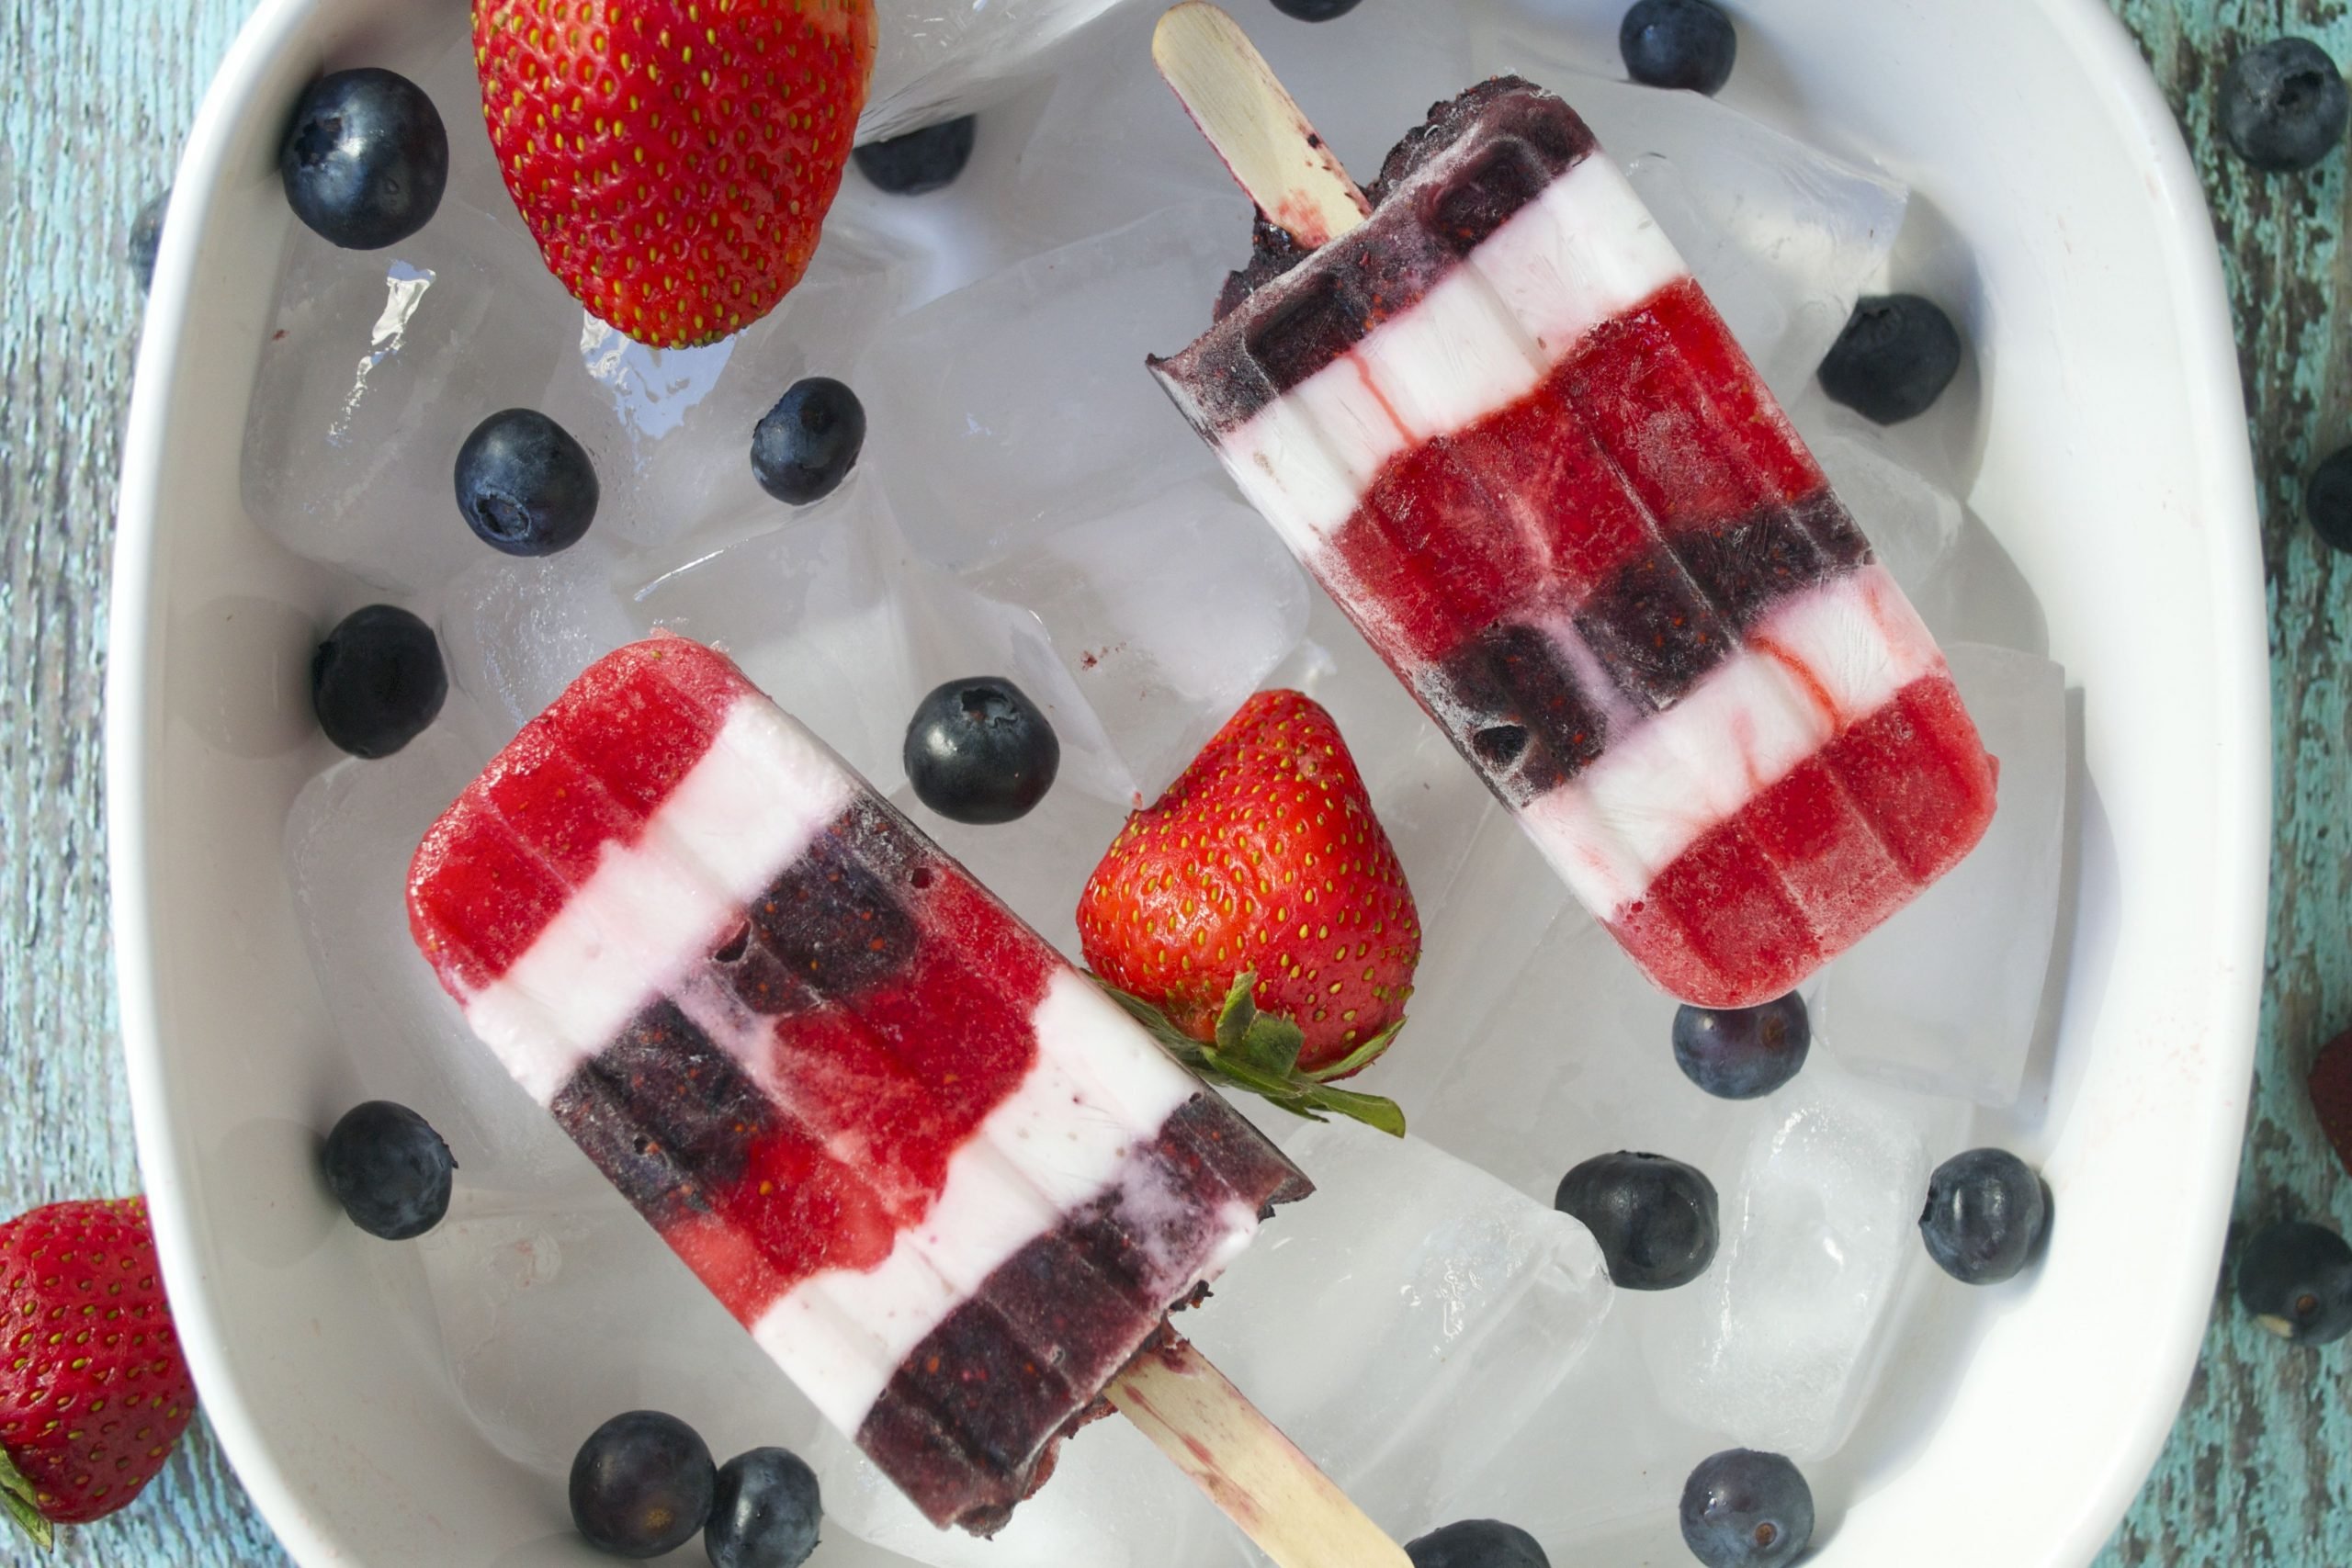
[{"x": 2113, "y": 468}]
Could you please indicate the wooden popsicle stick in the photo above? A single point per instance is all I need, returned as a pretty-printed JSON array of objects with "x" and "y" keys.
[
  {"x": 1253, "y": 1473},
  {"x": 1234, "y": 96}
]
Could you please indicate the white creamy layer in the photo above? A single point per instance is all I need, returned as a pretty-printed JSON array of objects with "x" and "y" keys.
[
  {"x": 744, "y": 811},
  {"x": 1821, "y": 661},
  {"x": 1065, "y": 1137},
  {"x": 1583, "y": 251}
]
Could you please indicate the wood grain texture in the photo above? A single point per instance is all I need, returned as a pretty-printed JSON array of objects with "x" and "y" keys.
[
  {"x": 101, "y": 93},
  {"x": 2259, "y": 1470}
]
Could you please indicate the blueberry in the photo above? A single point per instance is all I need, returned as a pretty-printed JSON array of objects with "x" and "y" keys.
[
  {"x": 978, "y": 750},
  {"x": 525, "y": 486},
  {"x": 1742, "y": 1052},
  {"x": 147, "y": 236},
  {"x": 1315, "y": 10},
  {"x": 920, "y": 161},
  {"x": 764, "y": 1513},
  {"x": 1987, "y": 1217},
  {"x": 1677, "y": 44},
  {"x": 1477, "y": 1544},
  {"x": 2283, "y": 106},
  {"x": 641, "y": 1484},
  {"x": 1894, "y": 358},
  {"x": 1654, "y": 1217},
  {"x": 2296, "y": 1281},
  {"x": 366, "y": 159},
  {"x": 804, "y": 447},
  {"x": 378, "y": 681},
  {"x": 388, "y": 1169},
  {"x": 2327, "y": 500},
  {"x": 1746, "y": 1509}
]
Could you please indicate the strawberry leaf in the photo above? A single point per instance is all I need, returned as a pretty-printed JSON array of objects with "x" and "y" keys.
[
  {"x": 1259, "y": 1052},
  {"x": 1361, "y": 1057},
  {"x": 17, "y": 1497},
  {"x": 1371, "y": 1110},
  {"x": 1239, "y": 1011},
  {"x": 1265, "y": 1042}
]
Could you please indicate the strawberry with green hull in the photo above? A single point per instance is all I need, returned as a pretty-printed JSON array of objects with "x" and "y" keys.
[
  {"x": 1256, "y": 916},
  {"x": 93, "y": 1389},
  {"x": 675, "y": 158}
]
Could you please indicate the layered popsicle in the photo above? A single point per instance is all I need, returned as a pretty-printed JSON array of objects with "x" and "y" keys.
[
  {"x": 1508, "y": 432},
  {"x": 939, "y": 1177}
]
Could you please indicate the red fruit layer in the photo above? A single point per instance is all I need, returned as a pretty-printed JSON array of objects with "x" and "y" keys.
[
  {"x": 1824, "y": 854},
  {"x": 586, "y": 773},
  {"x": 1654, "y": 432}
]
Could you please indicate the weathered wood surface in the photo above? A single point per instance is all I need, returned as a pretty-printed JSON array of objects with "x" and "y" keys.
[
  {"x": 100, "y": 93},
  {"x": 2259, "y": 1469}
]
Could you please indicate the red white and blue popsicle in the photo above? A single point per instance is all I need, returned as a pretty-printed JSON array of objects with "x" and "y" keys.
[
  {"x": 943, "y": 1179},
  {"x": 1493, "y": 413}
]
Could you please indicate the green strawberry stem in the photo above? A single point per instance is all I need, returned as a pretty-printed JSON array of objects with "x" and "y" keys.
[
  {"x": 1259, "y": 1052},
  {"x": 17, "y": 1496}
]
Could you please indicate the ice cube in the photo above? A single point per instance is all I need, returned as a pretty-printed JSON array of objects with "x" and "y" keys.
[
  {"x": 1776, "y": 1344},
  {"x": 670, "y": 429},
  {"x": 815, "y": 609},
  {"x": 522, "y": 1280},
  {"x": 1114, "y": 1502},
  {"x": 1021, "y": 405},
  {"x": 1945, "y": 997},
  {"x": 1599, "y": 1459},
  {"x": 377, "y": 367},
  {"x": 1575, "y": 1058},
  {"x": 348, "y": 840},
  {"x": 1113, "y": 144},
  {"x": 1782, "y": 235},
  {"x": 1400, "y": 1327},
  {"x": 1425, "y": 58},
  {"x": 1914, "y": 524},
  {"x": 1147, "y": 626},
  {"x": 516, "y": 631},
  {"x": 1403, "y": 1324},
  {"x": 938, "y": 59}
]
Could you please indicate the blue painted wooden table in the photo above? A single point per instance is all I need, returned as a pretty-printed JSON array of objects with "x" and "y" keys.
[{"x": 2258, "y": 1471}]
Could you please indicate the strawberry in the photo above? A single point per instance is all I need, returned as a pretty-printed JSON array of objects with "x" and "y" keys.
[
  {"x": 673, "y": 158},
  {"x": 1256, "y": 909},
  {"x": 2331, "y": 1091},
  {"x": 93, "y": 1392}
]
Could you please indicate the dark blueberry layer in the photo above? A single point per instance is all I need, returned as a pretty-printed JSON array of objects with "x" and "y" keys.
[
  {"x": 1746, "y": 568},
  {"x": 1662, "y": 622},
  {"x": 1655, "y": 633},
  {"x": 1278, "y": 325},
  {"x": 828, "y": 927},
  {"x": 995, "y": 1380},
  {"x": 1481, "y": 199},
  {"x": 966, "y": 1426},
  {"x": 664, "y": 1111},
  {"x": 1522, "y": 717},
  {"x": 1509, "y": 106}
]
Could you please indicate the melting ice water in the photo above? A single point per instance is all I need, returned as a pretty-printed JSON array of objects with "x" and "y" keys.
[{"x": 1028, "y": 504}]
